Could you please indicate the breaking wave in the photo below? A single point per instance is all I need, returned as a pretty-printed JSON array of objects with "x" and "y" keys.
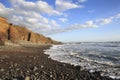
[{"x": 100, "y": 56}]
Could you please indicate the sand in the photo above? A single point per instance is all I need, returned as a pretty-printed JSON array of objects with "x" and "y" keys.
[{"x": 28, "y": 62}]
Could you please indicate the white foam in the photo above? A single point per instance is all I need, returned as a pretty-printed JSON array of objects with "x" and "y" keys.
[{"x": 78, "y": 54}]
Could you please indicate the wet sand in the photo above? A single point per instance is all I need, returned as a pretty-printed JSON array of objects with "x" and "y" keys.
[{"x": 30, "y": 63}]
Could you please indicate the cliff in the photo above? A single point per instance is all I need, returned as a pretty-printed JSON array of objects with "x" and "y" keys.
[{"x": 18, "y": 34}]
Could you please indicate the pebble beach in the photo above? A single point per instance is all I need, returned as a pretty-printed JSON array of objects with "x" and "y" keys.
[{"x": 27, "y": 62}]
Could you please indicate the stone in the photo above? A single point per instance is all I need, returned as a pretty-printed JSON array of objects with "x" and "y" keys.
[
  {"x": 42, "y": 66},
  {"x": 15, "y": 64},
  {"x": 34, "y": 58},
  {"x": 51, "y": 76},
  {"x": 14, "y": 79},
  {"x": 27, "y": 78},
  {"x": 35, "y": 68},
  {"x": 2, "y": 70}
]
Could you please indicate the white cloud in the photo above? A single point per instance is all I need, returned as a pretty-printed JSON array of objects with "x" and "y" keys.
[
  {"x": 29, "y": 14},
  {"x": 63, "y": 20},
  {"x": 4, "y": 11},
  {"x": 90, "y": 24},
  {"x": 117, "y": 16},
  {"x": 38, "y": 6},
  {"x": 63, "y": 5},
  {"x": 54, "y": 23},
  {"x": 29, "y": 18},
  {"x": 105, "y": 21},
  {"x": 87, "y": 24},
  {"x": 108, "y": 20},
  {"x": 82, "y": 0}
]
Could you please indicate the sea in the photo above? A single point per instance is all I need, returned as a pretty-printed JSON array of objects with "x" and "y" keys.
[{"x": 92, "y": 56}]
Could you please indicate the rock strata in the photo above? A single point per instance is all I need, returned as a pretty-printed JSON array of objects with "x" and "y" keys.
[{"x": 18, "y": 34}]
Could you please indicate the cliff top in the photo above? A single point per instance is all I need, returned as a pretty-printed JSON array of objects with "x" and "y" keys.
[{"x": 2, "y": 19}]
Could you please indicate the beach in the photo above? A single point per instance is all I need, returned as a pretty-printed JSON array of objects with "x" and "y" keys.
[{"x": 28, "y": 62}]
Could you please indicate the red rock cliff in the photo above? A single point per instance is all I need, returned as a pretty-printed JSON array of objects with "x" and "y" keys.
[{"x": 13, "y": 33}]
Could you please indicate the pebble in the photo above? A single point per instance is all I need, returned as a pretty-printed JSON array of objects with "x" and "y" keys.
[
  {"x": 15, "y": 64},
  {"x": 14, "y": 79},
  {"x": 36, "y": 74},
  {"x": 27, "y": 78},
  {"x": 2, "y": 70},
  {"x": 42, "y": 66},
  {"x": 17, "y": 69},
  {"x": 34, "y": 58},
  {"x": 28, "y": 71},
  {"x": 35, "y": 68},
  {"x": 51, "y": 76}
]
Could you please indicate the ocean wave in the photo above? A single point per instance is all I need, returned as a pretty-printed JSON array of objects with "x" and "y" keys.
[{"x": 91, "y": 56}]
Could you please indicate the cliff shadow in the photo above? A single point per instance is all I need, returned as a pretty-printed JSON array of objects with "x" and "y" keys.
[
  {"x": 29, "y": 36},
  {"x": 8, "y": 32}
]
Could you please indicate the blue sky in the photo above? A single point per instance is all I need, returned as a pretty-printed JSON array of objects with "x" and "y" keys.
[{"x": 66, "y": 20}]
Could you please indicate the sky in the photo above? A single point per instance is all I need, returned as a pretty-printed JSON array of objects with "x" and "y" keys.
[{"x": 66, "y": 20}]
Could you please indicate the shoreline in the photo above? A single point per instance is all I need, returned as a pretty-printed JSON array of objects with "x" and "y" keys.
[{"x": 30, "y": 63}]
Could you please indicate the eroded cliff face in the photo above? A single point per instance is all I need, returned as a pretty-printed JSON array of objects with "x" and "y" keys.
[{"x": 17, "y": 34}]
